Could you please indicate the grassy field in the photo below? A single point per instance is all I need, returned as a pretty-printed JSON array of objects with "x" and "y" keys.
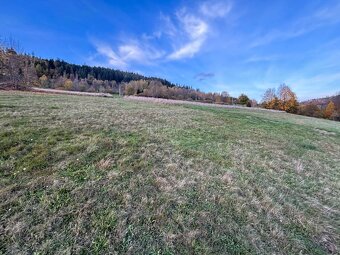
[{"x": 85, "y": 175}]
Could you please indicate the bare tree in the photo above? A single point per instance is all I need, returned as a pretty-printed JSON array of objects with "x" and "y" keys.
[
  {"x": 29, "y": 73},
  {"x": 11, "y": 62},
  {"x": 269, "y": 95},
  {"x": 14, "y": 68},
  {"x": 2, "y": 61}
]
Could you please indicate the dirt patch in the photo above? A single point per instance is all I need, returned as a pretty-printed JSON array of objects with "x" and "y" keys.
[{"x": 324, "y": 132}]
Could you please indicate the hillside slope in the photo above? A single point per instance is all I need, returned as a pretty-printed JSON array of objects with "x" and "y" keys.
[
  {"x": 322, "y": 102},
  {"x": 108, "y": 175}
]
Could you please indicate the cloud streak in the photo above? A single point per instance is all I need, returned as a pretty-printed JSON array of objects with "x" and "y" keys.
[
  {"x": 195, "y": 30},
  {"x": 321, "y": 18},
  {"x": 306, "y": 87}
]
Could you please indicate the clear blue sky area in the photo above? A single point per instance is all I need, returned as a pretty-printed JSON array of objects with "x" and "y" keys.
[{"x": 235, "y": 46}]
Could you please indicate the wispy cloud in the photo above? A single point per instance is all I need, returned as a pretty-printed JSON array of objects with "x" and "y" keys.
[
  {"x": 306, "y": 87},
  {"x": 264, "y": 58},
  {"x": 127, "y": 53},
  {"x": 112, "y": 57},
  {"x": 154, "y": 35},
  {"x": 322, "y": 17},
  {"x": 168, "y": 25},
  {"x": 185, "y": 31},
  {"x": 195, "y": 30},
  {"x": 329, "y": 14},
  {"x": 196, "y": 26},
  {"x": 215, "y": 9}
]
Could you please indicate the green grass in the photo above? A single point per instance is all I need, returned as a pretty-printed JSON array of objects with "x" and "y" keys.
[{"x": 88, "y": 175}]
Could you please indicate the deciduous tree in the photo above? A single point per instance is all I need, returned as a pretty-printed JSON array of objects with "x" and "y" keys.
[
  {"x": 268, "y": 97},
  {"x": 43, "y": 81},
  {"x": 68, "y": 84},
  {"x": 329, "y": 110},
  {"x": 287, "y": 99}
]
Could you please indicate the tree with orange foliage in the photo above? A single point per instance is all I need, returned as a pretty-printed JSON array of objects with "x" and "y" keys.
[
  {"x": 270, "y": 100},
  {"x": 287, "y": 99},
  {"x": 275, "y": 104},
  {"x": 329, "y": 110}
]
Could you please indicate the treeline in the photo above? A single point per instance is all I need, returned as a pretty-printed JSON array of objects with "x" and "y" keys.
[
  {"x": 285, "y": 99},
  {"x": 155, "y": 88},
  {"x": 25, "y": 70}
]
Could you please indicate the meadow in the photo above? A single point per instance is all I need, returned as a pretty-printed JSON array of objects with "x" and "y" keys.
[{"x": 90, "y": 175}]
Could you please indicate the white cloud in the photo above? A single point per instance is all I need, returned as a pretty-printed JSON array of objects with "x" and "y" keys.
[
  {"x": 195, "y": 29},
  {"x": 113, "y": 58},
  {"x": 194, "y": 26},
  {"x": 215, "y": 9},
  {"x": 130, "y": 52},
  {"x": 186, "y": 33},
  {"x": 188, "y": 50},
  {"x": 127, "y": 53}
]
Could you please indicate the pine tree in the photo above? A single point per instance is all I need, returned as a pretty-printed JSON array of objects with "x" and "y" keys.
[{"x": 243, "y": 99}]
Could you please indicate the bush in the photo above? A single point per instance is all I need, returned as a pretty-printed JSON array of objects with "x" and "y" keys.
[{"x": 129, "y": 90}]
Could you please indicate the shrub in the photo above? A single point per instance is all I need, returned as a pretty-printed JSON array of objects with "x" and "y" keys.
[{"x": 311, "y": 110}]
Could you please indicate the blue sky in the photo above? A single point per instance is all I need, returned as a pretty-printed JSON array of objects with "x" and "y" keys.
[{"x": 219, "y": 45}]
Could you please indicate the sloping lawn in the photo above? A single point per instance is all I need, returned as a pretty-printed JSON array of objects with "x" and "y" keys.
[{"x": 85, "y": 175}]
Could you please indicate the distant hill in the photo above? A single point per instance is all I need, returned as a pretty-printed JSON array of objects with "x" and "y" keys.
[
  {"x": 17, "y": 68},
  {"x": 54, "y": 68},
  {"x": 323, "y": 102}
]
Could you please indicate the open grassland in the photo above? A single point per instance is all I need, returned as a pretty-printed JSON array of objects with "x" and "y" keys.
[{"x": 86, "y": 175}]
